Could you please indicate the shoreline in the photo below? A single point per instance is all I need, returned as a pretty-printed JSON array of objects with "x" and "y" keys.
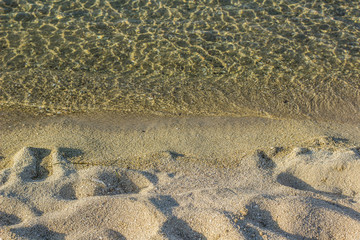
[{"x": 129, "y": 135}]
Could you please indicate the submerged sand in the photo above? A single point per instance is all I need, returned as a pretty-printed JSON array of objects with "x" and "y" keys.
[{"x": 111, "y": 176}]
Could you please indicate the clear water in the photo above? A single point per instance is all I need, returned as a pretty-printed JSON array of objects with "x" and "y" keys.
[{"x": 215, "y": 57}]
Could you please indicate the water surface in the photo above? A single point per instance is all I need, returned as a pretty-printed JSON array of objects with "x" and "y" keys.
[{"x": 240, "y": 57}]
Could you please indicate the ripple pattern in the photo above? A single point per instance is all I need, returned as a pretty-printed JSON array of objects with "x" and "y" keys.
[{"x": 207, "y": 56}]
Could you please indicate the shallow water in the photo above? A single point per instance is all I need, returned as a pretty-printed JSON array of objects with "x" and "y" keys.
[{"x": 284, "y": 58}]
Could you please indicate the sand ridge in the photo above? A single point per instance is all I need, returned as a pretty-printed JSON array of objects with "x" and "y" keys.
[
  {"x": 268, "y": 197},
  {"x": 81, "y": 178}
]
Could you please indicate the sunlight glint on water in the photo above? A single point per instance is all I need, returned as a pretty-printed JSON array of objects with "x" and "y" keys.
[{"x": 276, "y": 57}]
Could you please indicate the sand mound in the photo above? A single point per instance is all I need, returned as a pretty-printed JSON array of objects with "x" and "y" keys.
[
  {"x": 305, "y": 194},
  {"x": 322, "y": 170},
  {"x": 67, "y": 200},
  {"x": 181, "y": 178}
]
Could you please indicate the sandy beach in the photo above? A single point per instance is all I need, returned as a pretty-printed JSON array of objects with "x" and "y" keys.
[
  {"x": 112, "y": 176},
  {"x": 179, "y": 120}
]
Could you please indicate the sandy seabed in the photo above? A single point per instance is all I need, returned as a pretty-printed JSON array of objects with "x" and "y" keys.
[{"x": 111, "y": 176}]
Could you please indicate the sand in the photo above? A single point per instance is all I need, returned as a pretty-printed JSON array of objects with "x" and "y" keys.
[{"x": 112, "y": 176}]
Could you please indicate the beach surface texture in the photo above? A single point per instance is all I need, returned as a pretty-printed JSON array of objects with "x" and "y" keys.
[
  {"x": 179, "y": 119},
  {"x": 111, "y": 176}
]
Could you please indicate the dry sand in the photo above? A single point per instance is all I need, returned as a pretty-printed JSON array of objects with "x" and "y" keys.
[{"x": 107, "y": 176}]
